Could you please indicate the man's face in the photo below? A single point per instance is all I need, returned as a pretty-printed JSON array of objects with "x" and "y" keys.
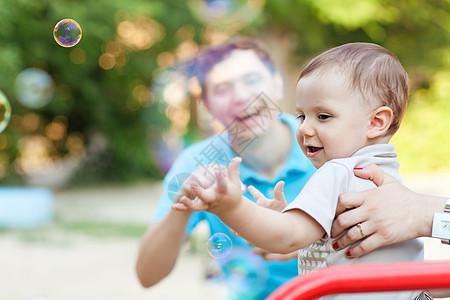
[{"x": 237, "y": 90}]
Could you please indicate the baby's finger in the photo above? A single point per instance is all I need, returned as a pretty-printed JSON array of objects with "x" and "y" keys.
[
  {"x": 259, "y": 197},
  {"x": 221, "y": 183},
  {"x": 194, "y": 205},
  {"x": 259, "y": 251},
  {"x": 179, "y": 207},
  {"x": 278, "y": 191},
  {"x": 233, "y": 168}
]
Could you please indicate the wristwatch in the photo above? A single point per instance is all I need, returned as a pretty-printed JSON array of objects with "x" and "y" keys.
[{"x": 441, "y": 224}]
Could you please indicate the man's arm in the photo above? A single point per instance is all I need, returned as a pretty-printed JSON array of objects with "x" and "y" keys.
[
  {"x": 160, "y": 247},
  {"x": 161, "y": 243}
]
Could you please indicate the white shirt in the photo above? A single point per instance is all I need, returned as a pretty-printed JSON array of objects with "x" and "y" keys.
[{"x": 319, "y": 198}]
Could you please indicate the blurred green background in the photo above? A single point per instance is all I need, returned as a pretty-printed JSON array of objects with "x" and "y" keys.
[{"x": 108, "y": 120}]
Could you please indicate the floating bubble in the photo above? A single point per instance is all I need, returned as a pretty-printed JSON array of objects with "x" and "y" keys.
[
  {"x": 245, "y": 273},
  {"x": 219, "y": 245},
  {"x": 176, "y": 184},
  {"x": 5, "y": 112},
  {"x": 34, "y": 88},
  {"x": 173, "y": 84},
  {"x": 67, "y": 33},
  {"x": 226, "y": 14}
]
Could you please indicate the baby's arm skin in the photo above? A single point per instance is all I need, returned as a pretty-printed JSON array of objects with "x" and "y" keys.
[{"x": 264, "y": 228}]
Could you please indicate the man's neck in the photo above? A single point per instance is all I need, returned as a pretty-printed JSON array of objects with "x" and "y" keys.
[{"x": 268, "y": 152}]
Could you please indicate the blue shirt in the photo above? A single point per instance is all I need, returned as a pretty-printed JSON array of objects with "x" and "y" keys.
[{"x": 296, "y": 171}]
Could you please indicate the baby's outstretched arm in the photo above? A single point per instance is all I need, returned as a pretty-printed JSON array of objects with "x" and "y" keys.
[{"x": 264, "y": 228}]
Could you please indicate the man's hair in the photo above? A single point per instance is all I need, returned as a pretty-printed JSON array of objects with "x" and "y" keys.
[
  {"x": 211, "y": 55},
  {"x": 372, "y": 70}
]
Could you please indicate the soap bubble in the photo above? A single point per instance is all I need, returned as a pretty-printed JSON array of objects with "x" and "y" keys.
[
  {"x": 245, "y": 273},
  {"x": 5, "y": 112},
  {"x": 226, "y": 14},
  {"x": 219, "y": 245},
  {"x": 176, "y": 185},
  {"x": 67, "y": 33},
  {"x": 34, "y": 88}
]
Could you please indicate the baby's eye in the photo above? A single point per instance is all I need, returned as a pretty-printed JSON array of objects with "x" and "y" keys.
[
  {"x": 301, "y": 117},
  {"x": 323, "y": 116}
]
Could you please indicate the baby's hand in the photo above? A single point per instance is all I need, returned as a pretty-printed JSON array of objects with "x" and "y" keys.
[
  {"x": 278, "y": 203},
  {"x": 223, "y": 195},
  {"x": 202, "y": 178}
]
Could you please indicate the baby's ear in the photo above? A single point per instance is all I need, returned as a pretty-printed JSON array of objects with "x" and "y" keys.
[{"x": 380, "y": 121}]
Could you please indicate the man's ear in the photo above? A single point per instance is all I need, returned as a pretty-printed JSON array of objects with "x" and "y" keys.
[
  {"x": 380, "y": 121},
  {"x": 279, "y": 85}
]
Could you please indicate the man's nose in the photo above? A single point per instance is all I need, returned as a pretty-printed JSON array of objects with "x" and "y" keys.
[{"x": 241, "y": 92}]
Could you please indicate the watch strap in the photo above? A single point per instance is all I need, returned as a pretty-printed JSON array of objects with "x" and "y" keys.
[{"x": 446, "y": 210}]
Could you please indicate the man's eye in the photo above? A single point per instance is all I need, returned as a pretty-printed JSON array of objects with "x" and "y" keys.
[
  {"x": 249, "y": 80},
  {"x": 221, "y": 89}
]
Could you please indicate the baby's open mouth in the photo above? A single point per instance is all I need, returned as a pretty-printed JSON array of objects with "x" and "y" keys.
[{"x": 312, "y": 149}]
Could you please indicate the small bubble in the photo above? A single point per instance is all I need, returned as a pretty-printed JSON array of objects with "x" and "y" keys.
[
  {"x": 67, "y": 33},
  {"x": 226, "y": 14},
  {"x": 5, "y": 112},
  {"x": 219, "y": 245},
  {"x": 34, "y": 88},
  {"x": 175, "y": 185}
]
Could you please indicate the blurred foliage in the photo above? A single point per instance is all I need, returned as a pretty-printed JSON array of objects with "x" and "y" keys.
[{"x": 101, "y": 85}]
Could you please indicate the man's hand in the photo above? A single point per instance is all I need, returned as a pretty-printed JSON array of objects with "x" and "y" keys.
[{"x": 385, "y": 214}]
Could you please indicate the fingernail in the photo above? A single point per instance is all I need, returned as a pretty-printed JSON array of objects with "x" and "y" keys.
[
  {"x": 348, "y": 254},
  {"x": 335, "y": 246},
  {"x": 357, "y": 168}
]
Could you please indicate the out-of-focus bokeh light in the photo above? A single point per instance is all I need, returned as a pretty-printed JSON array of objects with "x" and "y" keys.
[
  {"x": 77, "y": 56},
  {"x": 113, "y": 56},
  {"x": 228, "y": 15},
  {"x": 107, "y": 61},
  {"x": 143, "y": 95},
  {"x": 5, "y": 112},
  {"x": 34, "y": 88},
  {"x": 35, "y": 155},
  {"x": 57, "y": 129},
  {"x": 139, "y": 32},
  {"x": 67, "y": 33},
  {"x": 30, "y": 122}
]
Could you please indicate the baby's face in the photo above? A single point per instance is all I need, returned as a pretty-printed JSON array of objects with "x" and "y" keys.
[{"x": 333, "y": 119}]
